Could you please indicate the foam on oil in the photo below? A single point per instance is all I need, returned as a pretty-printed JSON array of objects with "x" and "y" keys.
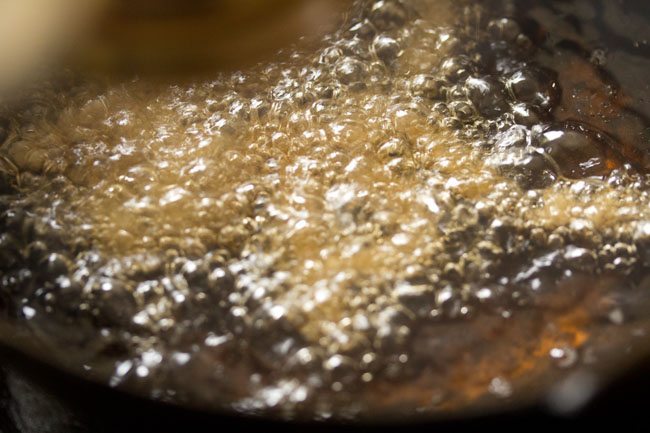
[{"x": 394, "y": 217}]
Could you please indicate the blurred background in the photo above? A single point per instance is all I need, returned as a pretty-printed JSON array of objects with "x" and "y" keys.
[{"x": 153, "y": 37}]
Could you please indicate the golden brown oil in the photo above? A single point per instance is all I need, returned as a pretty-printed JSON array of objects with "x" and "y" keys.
[{"x": 410, "y": 214}]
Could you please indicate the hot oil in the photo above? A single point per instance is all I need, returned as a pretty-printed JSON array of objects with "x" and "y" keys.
[{"x": 410, "y": 215}]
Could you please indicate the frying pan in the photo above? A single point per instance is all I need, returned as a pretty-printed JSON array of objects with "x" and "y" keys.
[{"x": 39, "y": 397}]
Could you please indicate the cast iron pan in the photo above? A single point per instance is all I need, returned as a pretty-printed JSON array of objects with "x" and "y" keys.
[{"x": 35, "y": 397}]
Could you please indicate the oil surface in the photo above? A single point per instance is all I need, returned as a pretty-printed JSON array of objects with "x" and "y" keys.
[{"x": 439, "y": 206}]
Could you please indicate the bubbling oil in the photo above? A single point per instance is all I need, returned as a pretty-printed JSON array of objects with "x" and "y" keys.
[{"x": 393, "y": 217}]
